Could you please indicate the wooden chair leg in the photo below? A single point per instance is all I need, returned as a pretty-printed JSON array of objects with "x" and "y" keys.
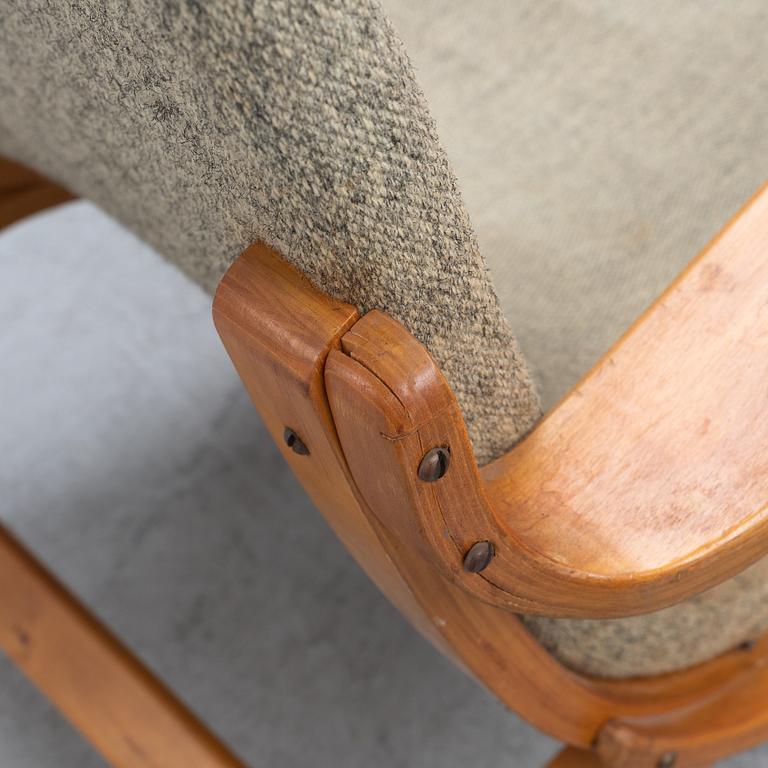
[
  {"x": 23, "y": 192},
  {"x": 128, "y": 715},
  {"x": 570, "y": 757}
]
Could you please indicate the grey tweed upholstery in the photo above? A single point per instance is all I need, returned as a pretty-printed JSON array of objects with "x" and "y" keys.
[
  {"x": 586, "y": 139},
  {"x": 206, "y": 126}
]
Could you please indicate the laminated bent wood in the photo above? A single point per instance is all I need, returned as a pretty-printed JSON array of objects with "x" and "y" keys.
[
  {"x": 571, "y": 522},
  {"x": 369, "y": 404}
]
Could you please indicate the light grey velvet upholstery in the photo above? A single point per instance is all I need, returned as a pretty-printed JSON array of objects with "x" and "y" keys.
[{"x": 598, "y": 150}]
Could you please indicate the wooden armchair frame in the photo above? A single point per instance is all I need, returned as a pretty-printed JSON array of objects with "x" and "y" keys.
[{"x": 636, "y": 492}]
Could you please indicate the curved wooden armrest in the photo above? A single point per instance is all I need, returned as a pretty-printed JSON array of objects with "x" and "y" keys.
[
  {"x": 297, "y": 352},
  {"x": 647, "y": 484}
]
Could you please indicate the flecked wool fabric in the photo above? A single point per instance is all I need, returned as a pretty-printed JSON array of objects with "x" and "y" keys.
[
  {"x": 599, "y": 145},
  {"x": 206, "y": 126}
]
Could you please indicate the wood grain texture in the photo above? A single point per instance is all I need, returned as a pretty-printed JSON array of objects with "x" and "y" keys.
[
  {"x": 646, "y": 486},
  {"x": 128, "y": 715},
  {"x": 291, "y": 344},
  {"x": 655, "y": 466},
  {"x": 24, "y": 192},
  {"x": 278, "y": 330},
  {"x": 655, "y": 406},
  {"x": 576, "y": 758},
  {"x": 280, "y": 333},
  {"x": 708, "y": 730}
]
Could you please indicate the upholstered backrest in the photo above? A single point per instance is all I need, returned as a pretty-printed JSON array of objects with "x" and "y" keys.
[{"x": 206, "y": 126}]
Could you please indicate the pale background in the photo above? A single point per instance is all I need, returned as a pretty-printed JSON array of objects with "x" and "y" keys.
[{"x": 133, "y": 463}]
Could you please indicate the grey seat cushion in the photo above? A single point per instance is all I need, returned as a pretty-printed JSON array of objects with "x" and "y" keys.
[
  {"x": 204, "y": 127},
  {"x": 599, "y": 147}
]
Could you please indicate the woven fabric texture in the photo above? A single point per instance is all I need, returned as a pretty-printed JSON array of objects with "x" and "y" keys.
[
  {"x": 600, "y": 145},
  {"x": 206, "y": 126}
]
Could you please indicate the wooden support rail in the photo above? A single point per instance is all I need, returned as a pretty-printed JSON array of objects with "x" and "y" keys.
[{"x": 125, "y": 712}]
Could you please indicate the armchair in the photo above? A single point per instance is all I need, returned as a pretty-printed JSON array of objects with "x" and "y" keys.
[{"x": 600, "y": 570}]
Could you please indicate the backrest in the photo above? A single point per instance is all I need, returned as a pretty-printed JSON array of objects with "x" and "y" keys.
[{"x": 206, "y": 126}]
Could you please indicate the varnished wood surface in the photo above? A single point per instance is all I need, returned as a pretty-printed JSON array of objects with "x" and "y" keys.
[
  {"x": 622, "y": 504},
  {"x": 23, "y": 192},
  {"x": 575, "y": 758},
  {"x": 289, "y": 342},
  {"x": 657, "y": 462},
  {"x": 706, "y": 731},
  {"x": 278, "y": 330},
  {"x": 14, "y": 175},
  {"x": 126, "y": 713}
]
